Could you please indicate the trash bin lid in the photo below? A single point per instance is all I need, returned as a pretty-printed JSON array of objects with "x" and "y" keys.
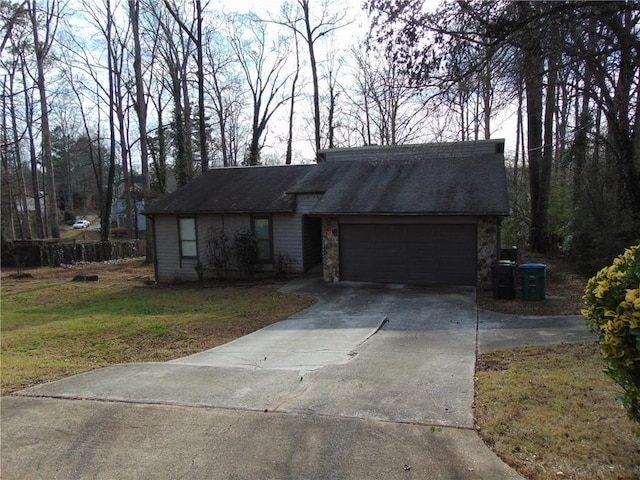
[
  {"x": 503, "y": 262},
  {"x": 533, "y": 265}
]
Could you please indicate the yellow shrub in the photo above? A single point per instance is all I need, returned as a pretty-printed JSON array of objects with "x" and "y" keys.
[{"x": 613, "y": 310}]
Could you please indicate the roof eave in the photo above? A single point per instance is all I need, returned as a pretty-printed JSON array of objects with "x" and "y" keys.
[
  {"x": 414, "y": 214},
  {"x": 217, "y": 212}
]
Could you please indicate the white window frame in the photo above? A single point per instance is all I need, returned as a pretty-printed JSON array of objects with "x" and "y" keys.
[{"x": 187, "y": 227}]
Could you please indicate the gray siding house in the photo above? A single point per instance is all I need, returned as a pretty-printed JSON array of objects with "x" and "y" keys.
[{"x": 417, "y": 214}]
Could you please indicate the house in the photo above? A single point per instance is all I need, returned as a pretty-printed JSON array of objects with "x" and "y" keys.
[
  {"x": 416, "y": 214},
  {"x": 118, "y": 218}
]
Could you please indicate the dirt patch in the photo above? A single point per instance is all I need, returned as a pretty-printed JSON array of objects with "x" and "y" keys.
[
  {"x": 20, "y": 276},
  {"x": 110, "y": 272},
  {"x": 491, "y": 365}
]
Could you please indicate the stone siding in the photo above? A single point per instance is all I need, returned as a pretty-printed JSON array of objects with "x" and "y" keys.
[
  {"x": 330, "y": 249},
  {"x": 488, "y": 242}
]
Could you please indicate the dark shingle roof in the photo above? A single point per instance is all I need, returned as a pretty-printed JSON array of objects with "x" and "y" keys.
[
  {"x": 235, "y": 190},
  {"x": 450, "y": 186},
  {"x": 419, "y": 151},
  {"x": 469, "y": 183}
]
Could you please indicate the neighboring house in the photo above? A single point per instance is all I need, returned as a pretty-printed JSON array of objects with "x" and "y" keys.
[
  {"x": 416, "y": 214},
  {"x": 118, "y": 219}
]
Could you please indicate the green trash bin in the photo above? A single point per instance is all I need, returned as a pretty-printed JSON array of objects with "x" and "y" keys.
[{"x": 533, "y": 276}]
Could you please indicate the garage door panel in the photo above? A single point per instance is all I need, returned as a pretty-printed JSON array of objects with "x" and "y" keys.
[{"x": 409, "y": 253}]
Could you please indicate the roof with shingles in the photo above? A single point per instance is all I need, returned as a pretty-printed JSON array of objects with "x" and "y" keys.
[
  {"x": 438, "y": 183},
  {"x": 432, "y": 186},
  {"x": 235, "y": 190}
]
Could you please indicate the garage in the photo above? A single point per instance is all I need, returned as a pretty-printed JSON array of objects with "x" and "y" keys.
[{"x": 409, "y": 253}]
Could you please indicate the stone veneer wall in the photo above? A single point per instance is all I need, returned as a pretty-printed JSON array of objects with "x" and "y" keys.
[
  {"x": 330, "y": 249},
  {"x": 488, "y": 242}
]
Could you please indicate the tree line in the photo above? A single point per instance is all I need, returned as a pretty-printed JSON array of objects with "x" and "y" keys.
[
  {"x": 113, "y": 93},
  {"x": 573, "y": 70}
]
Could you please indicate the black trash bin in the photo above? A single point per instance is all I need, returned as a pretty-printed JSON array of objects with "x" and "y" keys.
[{"x": 502, "y": 280}]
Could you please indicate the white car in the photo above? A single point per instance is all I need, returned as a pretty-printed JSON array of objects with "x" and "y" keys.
[{"x": 81, "y": 224}]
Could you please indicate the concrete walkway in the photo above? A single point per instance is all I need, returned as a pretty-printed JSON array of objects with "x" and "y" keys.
[{"x": 372, "y": 382}]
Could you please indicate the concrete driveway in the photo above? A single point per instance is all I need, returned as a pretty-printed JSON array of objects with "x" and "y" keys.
[{"x": 373, "y": 382}]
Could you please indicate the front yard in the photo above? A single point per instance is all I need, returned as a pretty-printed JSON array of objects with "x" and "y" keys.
[
  {"x": 53, "y": 327},
  {"x": 550, "y": 412}
]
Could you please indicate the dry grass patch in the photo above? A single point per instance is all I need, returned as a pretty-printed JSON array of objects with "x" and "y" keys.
[
  {"x": 551, "y": 412},
  {"x": 53, "y": 327}
]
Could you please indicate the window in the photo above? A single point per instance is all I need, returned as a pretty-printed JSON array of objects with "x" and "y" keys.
[
  {"x": 188, "y": 244},
  {"x": 262, "y": 229}
]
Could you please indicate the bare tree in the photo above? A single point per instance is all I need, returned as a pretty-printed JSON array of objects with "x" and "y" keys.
[
  {"x": 29, "y": 102},
  {"x": 175, "y": 50},
  {"x": 8, "y": 198},
  {"x": 197, "y": 39},
  {"x": 389, "y": 109},
  {"x": 227, "y": 96},
  {"x": 13, "y": 124},
  {"x": 141, "y": 110},
  {"x": 263, "y": 65},
  {"x": 42, "y": 47},
  {"x": 312, "y": 27}
]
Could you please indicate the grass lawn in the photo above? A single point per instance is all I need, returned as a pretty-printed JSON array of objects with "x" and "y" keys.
[
  {"x": 551, "y": 413},
  {"x": 53, "y": 327}
]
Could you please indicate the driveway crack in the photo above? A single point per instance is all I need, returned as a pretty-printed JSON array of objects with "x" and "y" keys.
[{"x": 378, "y": 328}]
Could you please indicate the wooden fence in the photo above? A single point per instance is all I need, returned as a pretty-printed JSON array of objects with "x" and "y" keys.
[{"x": 53, "y": 253}]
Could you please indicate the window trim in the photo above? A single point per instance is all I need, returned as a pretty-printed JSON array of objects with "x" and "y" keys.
[
  {"x": 180, "y": 240},
  {"x": 269, "y": 219}
]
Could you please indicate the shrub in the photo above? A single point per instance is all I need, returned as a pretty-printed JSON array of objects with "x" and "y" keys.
[
  {"x": 200, "y": 269},
  {"x": 282, "y": 266},
  {"x": 613, "y": 310},
  {"x": 218, "y": 251},
  {"x": 69, "y": 217},
  {"x": 245, "y": 248}
]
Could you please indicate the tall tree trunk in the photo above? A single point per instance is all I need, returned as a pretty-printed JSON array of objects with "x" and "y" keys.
[
  {"x": 487, "y": 99},
  {"x": 518, "y": 135},
  {"x": 182, "y": 162},
  {"x": 202, "y": 125},
  {"x": 621, "y": 136},
  {"x": 160, "y": 164},
  {"x": 202, "y": 120},
  {"x": 547, "y": 155},
  {"x": 533, "y": 78},
  {"x": 124, "y": 149},
  {"x": 331, "y": 112},
  {"x": 8, "y": 199},
  {"x": 41, "y": 53},
  {"x": 105, "y": 221},
  {"x": 35, "y": 183},
  {"x": 141, "y": 110},
  {"x": 25, "y": 222},
  {"x": 294, "y": 83},
  {"x": 9, "y": 207},
  {"x": 314, "y": 76},
  {"x": 580, "y": 141},
  {"x": 222, "y": 121}
]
